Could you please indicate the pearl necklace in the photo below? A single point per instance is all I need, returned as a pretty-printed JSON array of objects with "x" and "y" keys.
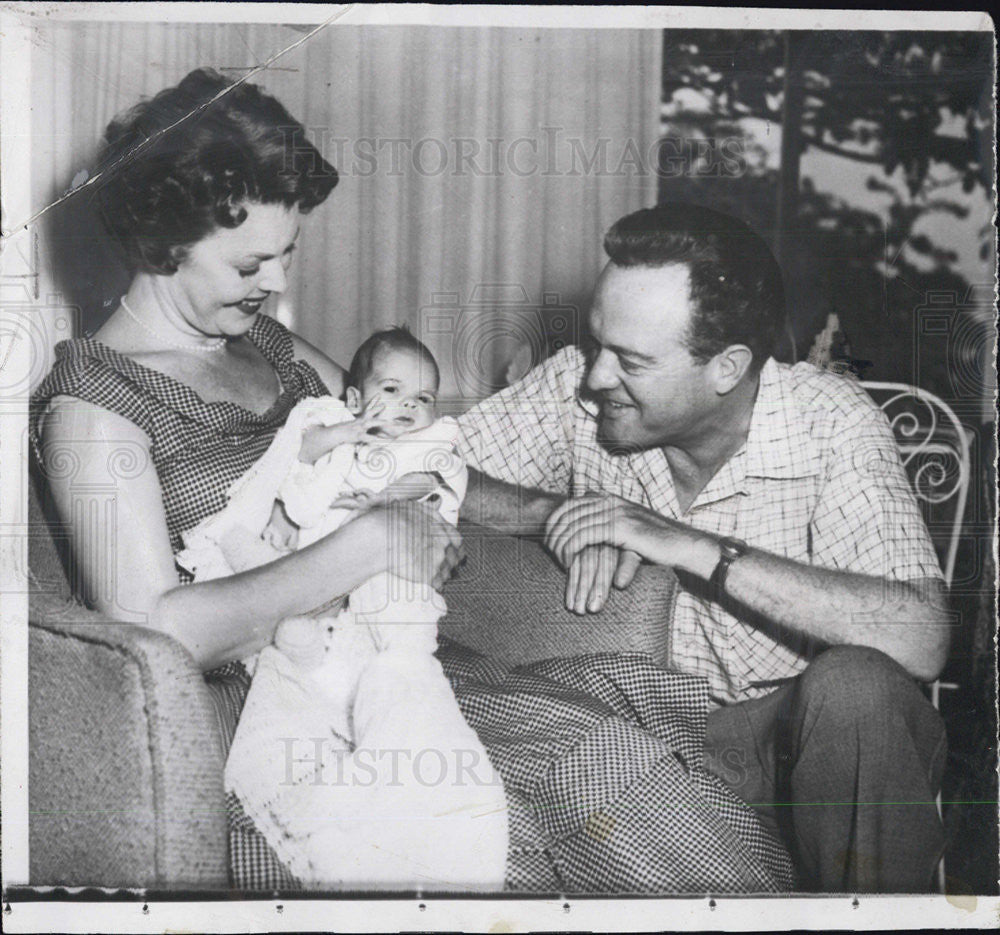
[{"x": 217, "y": 345}]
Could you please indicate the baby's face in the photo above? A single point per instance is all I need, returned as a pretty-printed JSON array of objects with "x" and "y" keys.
[{"x": 406, "y": 383}]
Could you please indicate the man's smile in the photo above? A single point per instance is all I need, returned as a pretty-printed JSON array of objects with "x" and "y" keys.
[{"x": 614, "y": 405}]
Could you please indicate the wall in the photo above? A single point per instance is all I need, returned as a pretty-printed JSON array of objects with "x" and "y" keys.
[{"x": 479, "y": 168}]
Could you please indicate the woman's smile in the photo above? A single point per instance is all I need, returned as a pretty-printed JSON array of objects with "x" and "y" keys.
[
  {"x": 251, "y": 306},
  {"x": 228, "y": 275}
]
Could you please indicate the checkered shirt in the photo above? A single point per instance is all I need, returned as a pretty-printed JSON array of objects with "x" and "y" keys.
[{"x": 818, "y": 481}]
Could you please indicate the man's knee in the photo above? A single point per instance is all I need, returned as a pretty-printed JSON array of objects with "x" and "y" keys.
[{"x": 854, "y": 684}]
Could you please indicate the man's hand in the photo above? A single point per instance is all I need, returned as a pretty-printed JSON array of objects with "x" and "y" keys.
[
  {"x": 603, "y": 519},
  {"x": 592, "y": 572},
  {"x": 362, "y": 499}
]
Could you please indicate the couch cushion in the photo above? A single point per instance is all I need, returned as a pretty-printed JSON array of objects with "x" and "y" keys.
[
  {"x": 508, "y": 602},
  {"x": 125, "y": 765}
]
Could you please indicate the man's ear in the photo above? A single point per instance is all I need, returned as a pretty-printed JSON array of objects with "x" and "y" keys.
[
  {"x": 730, "y": 366},
  {"x": 352, "y": 397}
]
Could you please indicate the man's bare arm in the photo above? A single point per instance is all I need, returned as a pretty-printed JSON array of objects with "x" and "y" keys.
[
  {"x": 905, "y": 620},
  {"x": 517, "y": 511},
  {"x": 523, "y": 511}
]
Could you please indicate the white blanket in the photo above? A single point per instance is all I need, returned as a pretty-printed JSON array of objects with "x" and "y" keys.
[{"x": 351, "y": 755}]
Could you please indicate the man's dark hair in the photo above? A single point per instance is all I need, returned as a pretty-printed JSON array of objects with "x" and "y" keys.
[
  {"x": 737, "y": 294},
  {"x": 179, "y": 166},
  {"x": 399, "y": 338}
]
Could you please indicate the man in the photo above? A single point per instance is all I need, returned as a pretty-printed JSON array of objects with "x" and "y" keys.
[{"x": 810, "y": 597}]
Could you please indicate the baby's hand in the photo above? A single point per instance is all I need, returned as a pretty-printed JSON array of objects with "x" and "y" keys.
[
  {"x": 356, "y": 500},
  {"x": 411, "y": 486},
  {"x": 322, "y": 439},
  {"x": 280, "y": 532}
]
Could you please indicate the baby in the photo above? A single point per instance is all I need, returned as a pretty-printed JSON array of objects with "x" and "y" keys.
[
  {"x": 331, "y": 459},
  {"x": 391, "y": 394},
  {"x": 365, "y": 680}
]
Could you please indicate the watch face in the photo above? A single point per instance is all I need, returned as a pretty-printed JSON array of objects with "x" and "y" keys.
[{"x": 733, "y": 548}]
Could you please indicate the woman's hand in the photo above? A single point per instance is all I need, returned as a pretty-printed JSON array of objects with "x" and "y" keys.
[{"x": 420, "y": 546}]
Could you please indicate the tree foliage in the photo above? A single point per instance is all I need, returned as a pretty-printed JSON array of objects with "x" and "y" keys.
[
  {"x": 892, "y": 99},
  {"x": 916, "y": 108}
]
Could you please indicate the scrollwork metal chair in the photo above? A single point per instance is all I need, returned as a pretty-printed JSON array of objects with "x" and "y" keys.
[{"x": 934, "y": 448}]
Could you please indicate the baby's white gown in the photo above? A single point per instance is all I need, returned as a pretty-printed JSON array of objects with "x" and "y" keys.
[{"x": 351, "y": 755}]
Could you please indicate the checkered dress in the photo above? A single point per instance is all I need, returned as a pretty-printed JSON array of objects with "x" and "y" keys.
[
  {"x": 198, "y": 448},
  {"x": 601, "y": 756},
  {"x": 601, "y": 759}
]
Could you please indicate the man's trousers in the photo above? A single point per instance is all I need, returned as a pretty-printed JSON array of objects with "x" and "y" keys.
[{"x": 844, "y": 763}]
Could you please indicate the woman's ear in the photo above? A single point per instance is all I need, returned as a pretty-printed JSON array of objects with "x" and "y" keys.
[
  {"x": 730, "y": 366},
  {"x": 352, "y": 397}
]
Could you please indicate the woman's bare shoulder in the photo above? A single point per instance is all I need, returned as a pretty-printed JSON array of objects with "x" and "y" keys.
[
  {"x": 69, "y": 419},
  {"x": 331, "y": 373}
]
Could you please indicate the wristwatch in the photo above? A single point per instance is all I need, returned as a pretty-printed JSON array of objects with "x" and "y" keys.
[{"x": 731, "y": 549}]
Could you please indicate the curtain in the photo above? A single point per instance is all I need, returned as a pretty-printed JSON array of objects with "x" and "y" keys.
[{"x": 480, "y": 168}]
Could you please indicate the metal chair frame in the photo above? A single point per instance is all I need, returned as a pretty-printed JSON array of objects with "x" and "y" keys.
[{"x": 934, "y": 448}]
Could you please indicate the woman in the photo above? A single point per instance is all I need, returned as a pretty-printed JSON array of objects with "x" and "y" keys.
[
  {"x": 205, "y": 186},
  {"x": 187, "y": 373}
]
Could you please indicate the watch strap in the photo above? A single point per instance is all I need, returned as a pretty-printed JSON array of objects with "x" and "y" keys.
[{"x": 730, "y": 550}]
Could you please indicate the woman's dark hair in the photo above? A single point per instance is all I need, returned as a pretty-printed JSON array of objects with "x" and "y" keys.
[
  {"x": 399, "y": 338},
  {"x": 182, "y": 164},
  {"x": 737, "y": 294}
]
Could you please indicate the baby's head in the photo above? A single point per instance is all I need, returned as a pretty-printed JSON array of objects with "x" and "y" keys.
[{"x": 401, "y": 372}]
